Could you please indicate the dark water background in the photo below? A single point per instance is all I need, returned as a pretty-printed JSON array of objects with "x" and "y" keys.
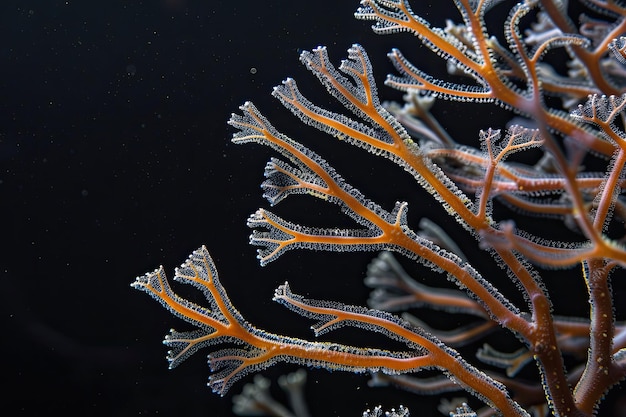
[{"x": 115, "y": 158}]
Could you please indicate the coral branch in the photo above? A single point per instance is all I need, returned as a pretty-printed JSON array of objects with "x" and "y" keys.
[{"x": 562, "y": 157}]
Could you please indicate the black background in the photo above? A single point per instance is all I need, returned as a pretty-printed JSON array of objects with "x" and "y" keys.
[{"x": 115, "y": 158}]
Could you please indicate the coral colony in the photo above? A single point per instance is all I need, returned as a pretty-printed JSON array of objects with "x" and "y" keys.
[{"x": 569, "y": 119}]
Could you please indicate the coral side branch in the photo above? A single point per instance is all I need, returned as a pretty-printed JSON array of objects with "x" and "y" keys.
[{"x": 222, "y": 324}]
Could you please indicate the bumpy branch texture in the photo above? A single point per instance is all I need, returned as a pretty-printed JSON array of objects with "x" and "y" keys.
[{"x": 567, "y": 118}]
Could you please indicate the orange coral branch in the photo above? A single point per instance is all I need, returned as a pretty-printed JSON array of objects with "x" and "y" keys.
[{"x": 518, "y": 77}]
